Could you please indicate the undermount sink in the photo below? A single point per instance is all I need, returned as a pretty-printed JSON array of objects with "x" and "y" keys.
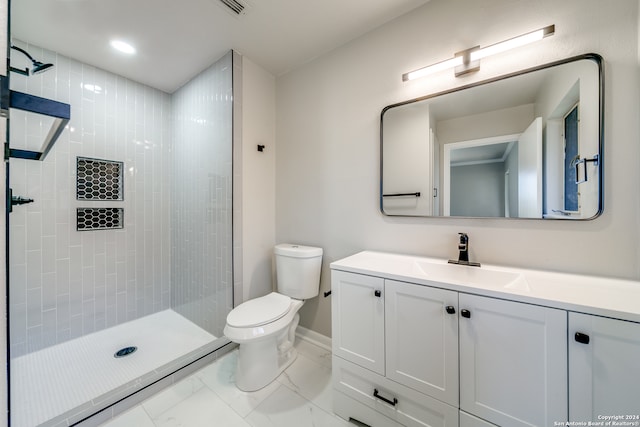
[{"x": 467, "y": 275}]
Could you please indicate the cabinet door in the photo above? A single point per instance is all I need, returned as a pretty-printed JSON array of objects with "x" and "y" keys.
[
  {"x": 467, "y": 420},
  {"x": 513, "y": 362},
  {"x": 604, "y": 367},
  {"x": 422, "y": 339},
  {"x": 357, "y": 318}
]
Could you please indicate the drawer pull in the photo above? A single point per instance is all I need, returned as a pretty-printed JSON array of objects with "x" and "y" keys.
[
  {"x": 393, "y": 402},
  {"x": 465, "y": 313},
  {"x": 377, "y": 293},
  {"x": 450, "y": 309},
  {"x": 582, "y": 338}
]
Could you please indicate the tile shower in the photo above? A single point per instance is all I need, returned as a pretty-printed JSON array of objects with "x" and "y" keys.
[{"x": 156, "y": 238}]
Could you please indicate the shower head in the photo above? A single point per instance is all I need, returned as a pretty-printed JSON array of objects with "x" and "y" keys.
[{"x": 38, "y": 67}]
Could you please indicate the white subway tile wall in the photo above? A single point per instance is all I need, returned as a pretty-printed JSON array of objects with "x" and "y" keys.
[
  {"x": 201, "y": 206},
  {"x": 65, "y": 283}
]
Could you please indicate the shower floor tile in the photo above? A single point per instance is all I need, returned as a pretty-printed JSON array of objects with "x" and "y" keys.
[
  {"x": 300, "y": 397},
  {"x": 77, "y": 375}
]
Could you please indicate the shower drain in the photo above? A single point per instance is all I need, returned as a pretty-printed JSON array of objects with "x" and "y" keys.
[{"x": 125, "y": 351}]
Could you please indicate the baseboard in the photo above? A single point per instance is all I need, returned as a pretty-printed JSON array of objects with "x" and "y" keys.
[{"x": 314, "y": 337}]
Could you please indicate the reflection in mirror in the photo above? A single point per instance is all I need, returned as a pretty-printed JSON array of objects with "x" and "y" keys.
[{"x": 524, "y": 145}]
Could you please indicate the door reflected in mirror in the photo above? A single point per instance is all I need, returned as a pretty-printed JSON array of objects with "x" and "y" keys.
[{"x": 524, "y": 145}]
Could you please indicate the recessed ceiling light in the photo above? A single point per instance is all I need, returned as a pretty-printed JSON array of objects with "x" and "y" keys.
[{"x": 123, "y": 47}]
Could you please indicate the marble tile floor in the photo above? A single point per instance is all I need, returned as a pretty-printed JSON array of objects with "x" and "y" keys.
[{"x": 300, "y": 396}]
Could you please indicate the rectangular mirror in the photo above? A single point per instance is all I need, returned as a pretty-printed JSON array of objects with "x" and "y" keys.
[{"x": 523, "y": 145}]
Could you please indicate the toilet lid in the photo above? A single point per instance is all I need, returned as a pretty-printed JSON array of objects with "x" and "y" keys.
[{"x": 259, "y": 311}]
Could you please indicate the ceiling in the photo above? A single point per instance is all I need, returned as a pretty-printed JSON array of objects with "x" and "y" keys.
[
  {"x": 176, "y": 39},
  {"x": 480, "y": 154}
]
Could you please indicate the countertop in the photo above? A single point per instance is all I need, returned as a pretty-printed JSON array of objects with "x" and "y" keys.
[{"x": 609, "y": 297}]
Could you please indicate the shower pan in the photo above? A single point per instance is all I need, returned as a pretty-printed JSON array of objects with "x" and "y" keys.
[{"x": 121, "y": 265}]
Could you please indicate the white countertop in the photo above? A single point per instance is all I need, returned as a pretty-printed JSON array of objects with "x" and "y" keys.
[{"x": 601, "y": 296}]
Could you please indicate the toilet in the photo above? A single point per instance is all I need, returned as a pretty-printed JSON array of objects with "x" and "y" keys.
[{"x": 265, "y": 327}]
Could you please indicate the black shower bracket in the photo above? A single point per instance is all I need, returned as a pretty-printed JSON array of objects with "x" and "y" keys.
[{"x": 60, "y": 112}]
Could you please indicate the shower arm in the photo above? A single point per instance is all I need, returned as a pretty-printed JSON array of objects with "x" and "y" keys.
[
  {"x": 38, "y": 66},
  {"x": 24, "y": 72}
]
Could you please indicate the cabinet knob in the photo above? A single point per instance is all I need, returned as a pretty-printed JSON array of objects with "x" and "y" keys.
[
  {"x": 450, "y": 309},
  {"x": 393, "y": 402},
  {"x": 465, "y": 313},
  {"x": 377, "y": 293},
  {"x": 582, "y": 338}
]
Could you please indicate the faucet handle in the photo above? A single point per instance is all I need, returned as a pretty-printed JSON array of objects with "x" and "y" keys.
[{"x": 464, "y": 241}]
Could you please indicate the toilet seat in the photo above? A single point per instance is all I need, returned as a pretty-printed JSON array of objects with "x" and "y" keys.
[{"x": 259, "y": 311}]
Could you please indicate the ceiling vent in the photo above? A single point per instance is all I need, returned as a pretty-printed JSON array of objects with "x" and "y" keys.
[{"x": 234, "y": 6}]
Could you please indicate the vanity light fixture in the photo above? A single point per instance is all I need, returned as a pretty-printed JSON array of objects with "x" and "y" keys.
[{"x": 468, "y": 61}]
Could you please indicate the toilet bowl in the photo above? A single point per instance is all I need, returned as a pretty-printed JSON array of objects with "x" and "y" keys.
[
  {"x": 266, "y": 346},
  {"x": 265, "y": 327}
]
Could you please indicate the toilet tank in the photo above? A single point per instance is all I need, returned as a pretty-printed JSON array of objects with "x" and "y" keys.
[{"x": 298, "y": 270}]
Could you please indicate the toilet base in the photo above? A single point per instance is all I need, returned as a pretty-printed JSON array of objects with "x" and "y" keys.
[{"x": 260, "y": 362}]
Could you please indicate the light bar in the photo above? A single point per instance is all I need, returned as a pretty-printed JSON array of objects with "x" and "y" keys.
[
  {"x": 522, "y": 40},
  {"x": 468, "y": 60},
  {"x": 449, "y": 63}
]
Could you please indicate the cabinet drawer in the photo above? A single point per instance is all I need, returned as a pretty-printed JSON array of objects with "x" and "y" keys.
[{"x": 393, "y": 400}]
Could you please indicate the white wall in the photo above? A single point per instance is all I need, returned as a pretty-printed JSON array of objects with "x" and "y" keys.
[
  {"x": 506, "y": 121},
  {"x": 258, "y": 179},
  {"x": 408, "y": 161},
  {"x": 328, "y": 112}
]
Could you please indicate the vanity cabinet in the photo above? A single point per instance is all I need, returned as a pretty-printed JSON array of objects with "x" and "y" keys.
[
  {"x": 604, "y": 368},
  {"x": 420, "y": 342},
  {"x": 513, "y": 361},
  {"x": 395, "y": 349},
  {"x": 426, "y": 356}
]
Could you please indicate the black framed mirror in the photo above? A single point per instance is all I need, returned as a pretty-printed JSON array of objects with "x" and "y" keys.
[{"x": 528, "y": 144}]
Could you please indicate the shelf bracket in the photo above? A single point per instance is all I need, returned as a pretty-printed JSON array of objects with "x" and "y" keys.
[{"x": 60, "y": 112}]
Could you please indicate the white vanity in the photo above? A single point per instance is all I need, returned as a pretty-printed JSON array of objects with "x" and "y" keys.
[{"x": 419, "y": 342}]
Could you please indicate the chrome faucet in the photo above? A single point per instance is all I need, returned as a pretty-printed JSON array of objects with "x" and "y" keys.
[{"x": 463, "y": 257}]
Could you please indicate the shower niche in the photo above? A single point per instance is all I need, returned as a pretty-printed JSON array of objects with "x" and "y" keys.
[{"x": 98, "y": 179}]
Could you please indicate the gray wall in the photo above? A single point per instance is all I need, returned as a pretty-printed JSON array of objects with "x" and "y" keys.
[
  {"x": 478, "y": 190},
  {"x": 327, "y": 168}
]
